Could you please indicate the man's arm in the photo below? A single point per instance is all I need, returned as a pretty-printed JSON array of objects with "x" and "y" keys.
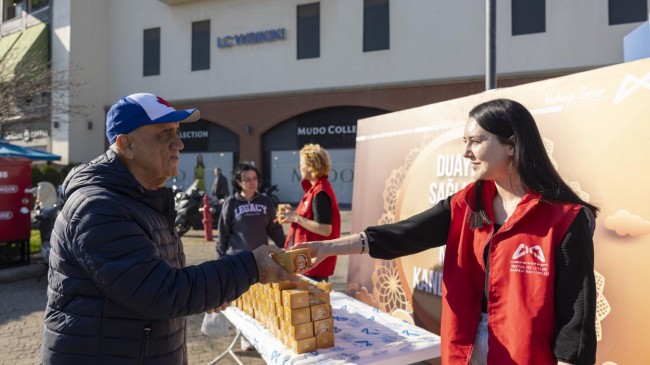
[{"x": 126, "y": 267}]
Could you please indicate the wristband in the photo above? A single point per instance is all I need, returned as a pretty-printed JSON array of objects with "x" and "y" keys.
[{"x": 363, "y": 242}]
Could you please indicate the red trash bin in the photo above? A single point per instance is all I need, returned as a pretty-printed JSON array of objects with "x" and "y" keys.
[{"x": 15, "y": 208}]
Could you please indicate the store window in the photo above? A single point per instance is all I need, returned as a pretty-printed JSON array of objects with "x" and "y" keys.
[
  {"x": 333, "y": 128},
  {"x": 376, "y": 28},
  {"x": 627, "y": 11},
  {"x": 528, "y": 16},
  {"x": 37, "y": 5},
  {"x": 309, "y": 31},
  {"x": 201, "y": 45},
  {"x": 151, "y": 52}
]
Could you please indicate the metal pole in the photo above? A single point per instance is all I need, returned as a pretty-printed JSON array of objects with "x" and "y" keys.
[{"x": 490, "y": 45}]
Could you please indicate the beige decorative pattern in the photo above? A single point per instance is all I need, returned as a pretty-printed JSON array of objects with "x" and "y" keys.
[
  {"x": 361, "y": 295},
  {"x": 387, "y": 288},
  {"x": 602, "y": 306},
  {"x": 393, "y": 183}
]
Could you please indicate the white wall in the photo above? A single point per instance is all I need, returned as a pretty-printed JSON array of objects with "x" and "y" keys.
[
  {"x": 577, "y": 37},
  {"x": 60, "y": 28},
  {"x": 430, "y": 42},
  {"x": 89, "y": 62},
  {"x": 79, "y": 41}
]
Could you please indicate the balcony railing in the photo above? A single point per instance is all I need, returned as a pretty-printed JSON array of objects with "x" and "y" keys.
[{"x": 21, "y": 19}]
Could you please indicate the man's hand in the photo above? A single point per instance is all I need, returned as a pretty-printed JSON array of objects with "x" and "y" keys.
[
  {"x": 269, "y": 270},
  {"x": 218, "y": 309}
]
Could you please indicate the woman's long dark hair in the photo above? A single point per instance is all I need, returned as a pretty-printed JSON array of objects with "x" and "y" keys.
[
  {"x": 237, "y": 175},
  {"x": 507, "y": 118},
  {"x": 199, "y": 161}
]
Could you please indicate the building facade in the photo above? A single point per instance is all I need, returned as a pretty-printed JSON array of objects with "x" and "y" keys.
[{"x": 269, "y": 76}]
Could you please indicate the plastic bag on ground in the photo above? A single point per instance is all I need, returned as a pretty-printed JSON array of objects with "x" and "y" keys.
[{"x": 216, "y": 324}]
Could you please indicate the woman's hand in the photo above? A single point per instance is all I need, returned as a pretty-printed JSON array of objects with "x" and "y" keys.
[
  {"x": 285, "y": 214},
  {"x": 317, "y": 251},
  {"x": 349, "y": 245}
]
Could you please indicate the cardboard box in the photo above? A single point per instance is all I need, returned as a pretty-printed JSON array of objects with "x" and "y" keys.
[
  {"x": 279, "y": 311},
  {"x": 301, "y": 331},
  {"x": 284, "y": 285},
  {"x": 293, "y": 261},
  {"x": 319, "y": 297},
  {"x": 325, "y": 340},
  {"x": 303, "y": 346},
  {"x": 297, "y": 316},
  {"x": 324, "y": 286},
  {"x": 320, "y": 311},
  {"x": 295, "y": 298},
  {"x": 323, "y": 326},
  {"x": 283, "y": 208}
]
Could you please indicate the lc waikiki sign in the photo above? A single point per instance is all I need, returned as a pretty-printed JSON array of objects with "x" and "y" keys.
[{"x": 250, "y": 38}]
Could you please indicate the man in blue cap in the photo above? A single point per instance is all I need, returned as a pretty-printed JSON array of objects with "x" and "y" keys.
[{"x": 118, "y": 287}]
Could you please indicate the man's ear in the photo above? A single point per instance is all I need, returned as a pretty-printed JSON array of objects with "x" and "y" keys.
[{"x": 124, "y": 145}]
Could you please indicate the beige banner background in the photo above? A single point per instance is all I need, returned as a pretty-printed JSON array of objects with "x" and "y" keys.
[{"x": 596, "y": 128}]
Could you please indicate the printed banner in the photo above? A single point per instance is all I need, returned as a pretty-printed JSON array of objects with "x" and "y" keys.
[{"x": 595, "y": 129}]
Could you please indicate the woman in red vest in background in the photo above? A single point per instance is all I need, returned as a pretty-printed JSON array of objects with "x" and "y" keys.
[
  {"x": 518, "y": 273},
  {"x": 317, "y": 216}
]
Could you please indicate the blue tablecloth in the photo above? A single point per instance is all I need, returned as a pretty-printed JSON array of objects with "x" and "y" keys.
[{"x": 362, "y": 335}]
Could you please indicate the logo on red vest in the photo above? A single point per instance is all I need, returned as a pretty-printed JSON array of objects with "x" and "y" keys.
[
  {"x": 523, "y": 250},
  {"x": 536, "y": 264}
]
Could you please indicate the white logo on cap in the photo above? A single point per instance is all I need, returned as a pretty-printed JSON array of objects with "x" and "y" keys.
[{"x": 153, "y": 105}]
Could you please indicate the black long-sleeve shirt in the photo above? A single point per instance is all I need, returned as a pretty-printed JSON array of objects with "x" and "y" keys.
[{"x": 575, "y": 294}]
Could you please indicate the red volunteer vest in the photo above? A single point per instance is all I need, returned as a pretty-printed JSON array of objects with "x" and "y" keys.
[
  {"x": 300, "y": 234},
  {"x": 521, "y": 310}
]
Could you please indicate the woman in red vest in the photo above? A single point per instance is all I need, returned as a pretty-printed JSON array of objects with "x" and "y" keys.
[
  {"x": 317, "y": 216},
  {"x": 518, "y": 274}
]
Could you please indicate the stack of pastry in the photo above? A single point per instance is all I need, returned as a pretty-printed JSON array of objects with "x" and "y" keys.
[{"x": 299, "y": 314}]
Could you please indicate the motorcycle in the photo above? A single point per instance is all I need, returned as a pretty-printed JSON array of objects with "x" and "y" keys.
[
  {"x": 271, "y": 191},
  {"x": 189, "y": 209},
  {"x": 47, "y": 207}
]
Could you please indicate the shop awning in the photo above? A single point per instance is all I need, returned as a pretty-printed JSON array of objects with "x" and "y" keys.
[
  {"x": 12, "y": 150},
  {"x": 30, "y": 44}
]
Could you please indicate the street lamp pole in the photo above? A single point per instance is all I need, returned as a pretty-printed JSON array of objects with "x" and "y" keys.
[{"x": 490, "y": 45}]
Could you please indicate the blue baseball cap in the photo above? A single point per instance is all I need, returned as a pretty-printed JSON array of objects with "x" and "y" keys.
[{"x": 133, "y": 111}]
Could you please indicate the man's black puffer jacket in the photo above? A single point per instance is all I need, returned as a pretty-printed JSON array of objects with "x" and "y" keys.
[{"x": 118, "y": 287}]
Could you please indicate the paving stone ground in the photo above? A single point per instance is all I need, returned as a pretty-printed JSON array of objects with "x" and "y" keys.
[{"x": 22, "y": 305}]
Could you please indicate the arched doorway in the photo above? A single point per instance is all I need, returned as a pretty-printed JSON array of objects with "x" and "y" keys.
[{"x": 333, "y": 128}]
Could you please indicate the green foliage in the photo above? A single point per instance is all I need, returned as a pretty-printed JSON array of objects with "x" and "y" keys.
[
  {"x": 51, "y": 174},
  {"x": 37, "y": 175},
  {"x": 45, "y": 172}
]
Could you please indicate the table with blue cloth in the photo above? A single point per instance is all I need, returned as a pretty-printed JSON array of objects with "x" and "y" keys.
[{"x": 362, "y": 335}]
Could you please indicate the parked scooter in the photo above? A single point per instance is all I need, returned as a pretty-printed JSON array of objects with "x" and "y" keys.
[
  {"x": 45, "y": 211},
  {"x": 189, "y": 209},
  {"x": 270, "y": 191}
]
